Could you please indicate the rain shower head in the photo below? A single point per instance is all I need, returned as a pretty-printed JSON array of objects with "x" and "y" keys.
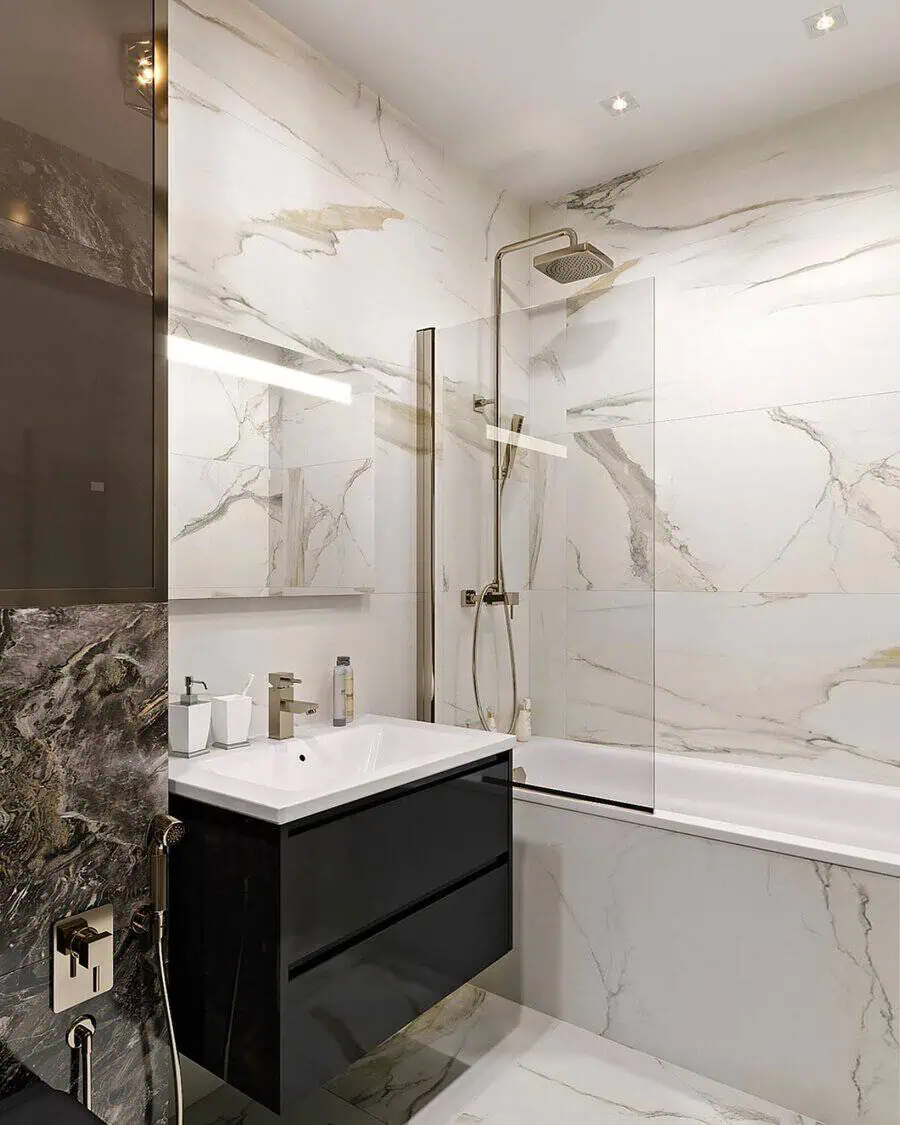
[{"x": 574, "y": 263}]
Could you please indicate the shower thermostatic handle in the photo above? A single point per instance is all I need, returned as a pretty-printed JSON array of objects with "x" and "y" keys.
[
  {"x": 82, "y": 962},
  {"x": 469, "y": 599},
  {"x": 86, "y": 946}
]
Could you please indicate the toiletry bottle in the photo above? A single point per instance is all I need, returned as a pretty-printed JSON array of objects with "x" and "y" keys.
[
  {"x": 189, "y": 721},
  {"x": 523, "y": 721},
  {"x": 491, "y": 720},
  {"x": 344, "y": 695}
]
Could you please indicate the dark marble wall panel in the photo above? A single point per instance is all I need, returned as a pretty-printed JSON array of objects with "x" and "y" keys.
[
  {"x": 47, "y": 187},
  {"x": 131, "y": 1055},
  {"x": 83, "y": 744}
]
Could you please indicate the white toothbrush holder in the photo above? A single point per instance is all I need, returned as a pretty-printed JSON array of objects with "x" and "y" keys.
[{"x": 231, "y": 716}]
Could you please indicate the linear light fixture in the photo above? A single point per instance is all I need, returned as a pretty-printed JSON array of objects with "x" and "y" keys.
[
  {"x": 526, "y": 441},
  {"x": 195, "y": 354}
]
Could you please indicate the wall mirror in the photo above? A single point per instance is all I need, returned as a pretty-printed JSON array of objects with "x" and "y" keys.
[{"x": 271, "y": 478}]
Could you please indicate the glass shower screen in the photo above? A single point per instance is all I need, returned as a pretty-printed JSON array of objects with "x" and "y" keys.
[{"x": 577, "y": 537}]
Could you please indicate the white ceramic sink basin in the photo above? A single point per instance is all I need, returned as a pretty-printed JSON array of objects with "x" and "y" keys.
[
  {"x": 354, "y": 752},
  {"x": 284, "y": 781}
]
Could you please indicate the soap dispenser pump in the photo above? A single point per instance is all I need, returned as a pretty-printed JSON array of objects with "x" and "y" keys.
[
  {"x": 189, "y": 722},
  {"x": 189, "y": 697}
]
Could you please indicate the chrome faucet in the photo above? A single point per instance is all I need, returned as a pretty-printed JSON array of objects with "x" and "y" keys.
[{"x": 283, "y": 706}]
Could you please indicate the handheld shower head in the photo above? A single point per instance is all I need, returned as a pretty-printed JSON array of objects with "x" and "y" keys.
[
  {"x": 165, "y": 831},
  {"x": 574, "y": 263},
  {"x": 509, "y": 454}
]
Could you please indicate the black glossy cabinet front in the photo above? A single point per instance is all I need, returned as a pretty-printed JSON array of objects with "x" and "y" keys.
[{"x": 296, "y": 949}]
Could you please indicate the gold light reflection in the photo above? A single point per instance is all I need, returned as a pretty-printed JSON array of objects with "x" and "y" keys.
[
  {"x": 139, "y": 74},
  {"x": 18, "y": 212}
]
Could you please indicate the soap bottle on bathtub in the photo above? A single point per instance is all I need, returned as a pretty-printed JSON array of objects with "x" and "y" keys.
[
  {"x": 523, "y": 721},
  {"x": 344, "y": 693}
]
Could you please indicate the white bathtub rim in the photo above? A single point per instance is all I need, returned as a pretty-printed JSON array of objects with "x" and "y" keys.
[{"x": 762, "y": 839}]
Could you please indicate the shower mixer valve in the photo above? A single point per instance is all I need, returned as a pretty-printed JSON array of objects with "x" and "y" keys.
[
  {"x": 469, "y": 598},
  {"x": 82, "y": 957}
]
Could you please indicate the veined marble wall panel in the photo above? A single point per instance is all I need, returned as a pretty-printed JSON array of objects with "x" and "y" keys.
[
  {"x": 83, "y": 749},
  {"x": 770, "y": 477},
  {"x": 224, "y": 523},
  {"x": 775, "y": 258},
  {"x": 773, "y": 974},
  {"x": 98, "y": 225},
  {"x": 799, "y": 498},
  {"x": 328, "y": 525},
  {"x": 307, "y": 213},
  {"x": 221, "y": 417},
  {"x": 807, "y": 682}
]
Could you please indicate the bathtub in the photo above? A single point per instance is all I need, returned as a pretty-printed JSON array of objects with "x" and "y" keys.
[
  {"x": 747, "y": 928},
  {"x": 821, "y": 818}
]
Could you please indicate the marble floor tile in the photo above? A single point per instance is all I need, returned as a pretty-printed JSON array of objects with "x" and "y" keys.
[
  {"x": 429, "y": 1071},
  {"x": 476, "y": 1058},
  {"x": 228, "y": 1107},
  {"x": 578, "y": 1078}
]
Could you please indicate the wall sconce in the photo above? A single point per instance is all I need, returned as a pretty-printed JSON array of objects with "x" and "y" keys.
[{"x": 138, "y": 72}]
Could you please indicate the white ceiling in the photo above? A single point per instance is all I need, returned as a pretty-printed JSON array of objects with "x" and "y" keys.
[{"x": 512, "y": 87}]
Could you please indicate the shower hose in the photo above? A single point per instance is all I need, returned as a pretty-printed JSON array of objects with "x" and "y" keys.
[
  {"x": 158, "y": 935},
  {"x": 496, "y": 586}
]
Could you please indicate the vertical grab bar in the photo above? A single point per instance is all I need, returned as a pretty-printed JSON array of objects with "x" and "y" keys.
[{"x": 80, "y": 1038}]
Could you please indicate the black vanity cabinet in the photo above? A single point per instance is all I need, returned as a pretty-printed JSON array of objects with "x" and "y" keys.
[{"x": 297, "y": 948}]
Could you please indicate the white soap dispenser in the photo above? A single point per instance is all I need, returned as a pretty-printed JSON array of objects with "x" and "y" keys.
[{"x": 189, "y": 721}]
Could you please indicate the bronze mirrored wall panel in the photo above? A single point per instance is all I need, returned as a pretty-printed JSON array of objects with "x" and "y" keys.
[{"x": 82, "y": 422}]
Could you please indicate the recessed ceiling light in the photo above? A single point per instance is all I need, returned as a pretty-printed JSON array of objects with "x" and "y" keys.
[
  {"x": 620, "y": 103},
  {"x": 821, "y": 23}
]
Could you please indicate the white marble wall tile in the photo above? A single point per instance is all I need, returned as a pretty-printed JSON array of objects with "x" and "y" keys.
[
  {"x": 800, "y": 498},
  {"x": 606, "y": 356},
  {"x": 220, "y": 417},
  {"x": 315, "y": 431},
  {"x": 804, "y": 682},
  {"x": 328, "y": 525},
  {"x": 297, "y": 255},
  {"x": 304, "y": 635},
  {"x": 397, "y": 433},
  {"x": 775, "y": 257},
  {"x": 609, "y": 670},
  {"x": 547, "y": 323},
  {"x": 610, "y": 513},
  {"x": 332, "y": 119},
  {"x": 775, "y": 975},
  {"x": 548, "y": 663},
  {"x": 220, "y": 513}
]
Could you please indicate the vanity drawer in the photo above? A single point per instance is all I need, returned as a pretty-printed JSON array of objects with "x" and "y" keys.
[
  {"x": 352, "y": 871},
  {"x": 338, "y": 1010}
]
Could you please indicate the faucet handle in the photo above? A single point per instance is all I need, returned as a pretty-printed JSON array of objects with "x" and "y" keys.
[{"x": 283, "y": 679}]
